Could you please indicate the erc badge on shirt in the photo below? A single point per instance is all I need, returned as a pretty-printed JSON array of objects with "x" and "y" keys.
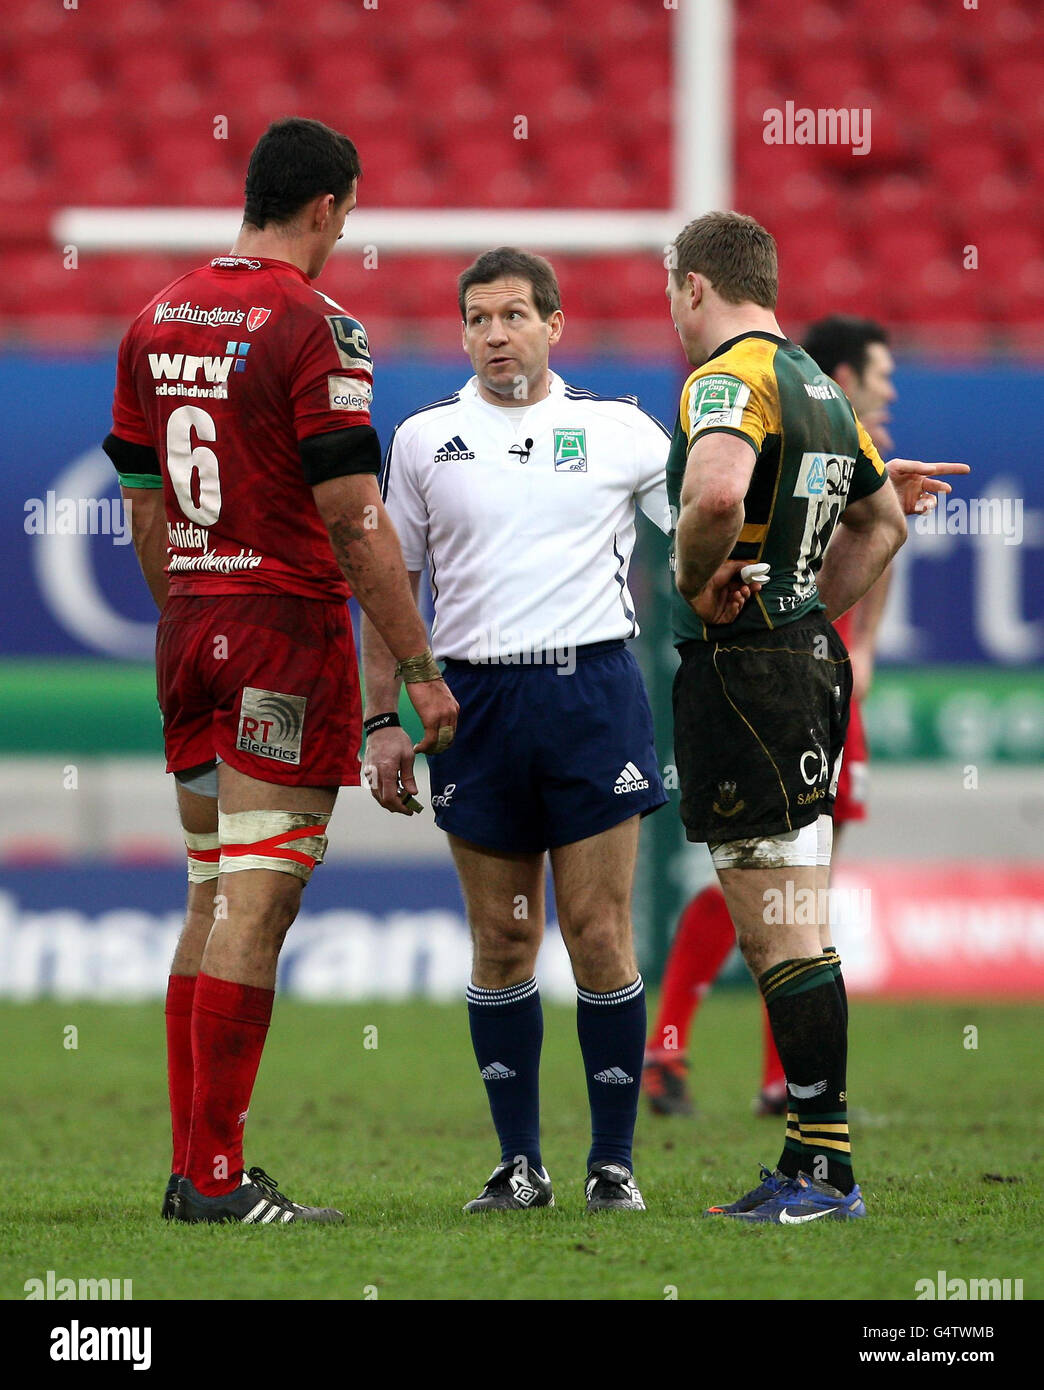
[{"x": 570, "y": 451}]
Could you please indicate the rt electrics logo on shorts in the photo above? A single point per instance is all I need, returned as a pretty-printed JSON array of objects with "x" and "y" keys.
[{"x": 271, "y": 724}]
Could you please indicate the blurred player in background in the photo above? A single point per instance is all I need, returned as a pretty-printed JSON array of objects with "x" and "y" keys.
[
  {"x": 242, "y": 439},
  {"x": 521, "y": 492},
  {"x": 855, "y": 353},
  {"x": 770, "y": 464}
]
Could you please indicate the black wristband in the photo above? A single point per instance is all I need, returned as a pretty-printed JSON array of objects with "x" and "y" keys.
[{"x": 381, "y": 721}]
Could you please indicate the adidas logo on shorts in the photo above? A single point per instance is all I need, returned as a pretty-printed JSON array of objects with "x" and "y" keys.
[
  {"x": 496, "y": 1071},
  {"x": 614, "y": 1076},
  {"x": 630, "y": 780},
  {"x": 454, "y": 448}
]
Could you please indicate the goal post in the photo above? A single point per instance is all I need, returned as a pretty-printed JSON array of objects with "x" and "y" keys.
[{"x": 701, "y": 179}]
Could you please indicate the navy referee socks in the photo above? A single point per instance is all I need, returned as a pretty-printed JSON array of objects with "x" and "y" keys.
[
  {"x": 611, "y": 1028},
  {"x": 507, "y": 1030}
]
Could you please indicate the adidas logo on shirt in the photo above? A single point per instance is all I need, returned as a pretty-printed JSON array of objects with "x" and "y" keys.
[
  {"x": 496, "y": 1071},
  {"x": 454, "y": 448},
  {"x": 630, "y": 780},
  {"x": 615, "y": 1076}
]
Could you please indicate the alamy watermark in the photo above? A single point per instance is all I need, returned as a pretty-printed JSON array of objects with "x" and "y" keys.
[
  {"x": 50, "y": 1286},
  {"x": 957, "y": 1289},
  {"x": 974, "y": 516},
  {"x": 807, "y": 907},
  {"x": 497, "y": 646},
  {"x": 81, "y": 1343},
  {"x": 52, "y": 515},
  {"x": 826, "y": 125}
]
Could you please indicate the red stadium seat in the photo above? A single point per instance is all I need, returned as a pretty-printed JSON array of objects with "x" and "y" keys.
[
  {"x": 40, "y": 20},
  {"x": 21, "y": 183},
  {"x": 996, "y": 197},
  {"x": 844, "y": 82},
  {"x": 1005, "y": 252},
  {"x": 142, "y": 78},
  {"x": 913, "y": 28},
  {"x": 631, "y": 23},
  {"x": 333, "y": 22},
  {"x": 805, "y": 192},
  {"x": 44, "y": 72},
  {"x": 918, "y": 86},
  {"x": 245, "y": 65},
  {"x": 238, "y": 20},
  {"x": 1021, "y": 301},
  {"x": 960, "y": 165},
  {"x": 582, "y": 173},
  {"x": 386, "y": 156},
  {"x": 472, "y": 164},
  {"x": 813, "y": 250},
  {"x": 638, "y": 93},
  {"x": 190, "y": 166},
  {"x": 119, "y": 23},
  {"x": 432, "y": 75},
  {"x": 421, "y": 286},
  {"x": 890, "y": 200},
  {"x": 900, "y": 247},
  {"x": 521, "y": 27},
  {"x": 327, "y": 71},
  {"x": 757, "y": 26},
  {"x": 94, "y": 165},
  {"x": 120, "y": 285},
  {"x": 38, "y": 282},
  {"x": 764, "y": 167},
  {"x": 751, "y": 68},
  {"x": 1001, "y": 32},
  {"x": 621, "y": 287},
  {"x": 1016, "y": 86},
  {"x": 427, "y": 25}
]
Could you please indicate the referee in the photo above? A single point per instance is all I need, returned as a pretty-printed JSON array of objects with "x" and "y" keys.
[
  {"x": 520, "y": 491},
  {"x": 771, "y": 466}
]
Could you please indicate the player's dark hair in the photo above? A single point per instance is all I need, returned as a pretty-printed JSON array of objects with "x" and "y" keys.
[
  {"x": 842, "y": 338},
  {"x": 295, "y": 161},
  {"x": 735, "y": 253},
  {"x": 509, "y": 261}
]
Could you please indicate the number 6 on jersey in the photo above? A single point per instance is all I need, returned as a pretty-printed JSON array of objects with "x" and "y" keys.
[{"x": 194, "y": 471}]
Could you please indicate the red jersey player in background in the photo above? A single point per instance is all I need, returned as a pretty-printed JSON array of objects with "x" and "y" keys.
[
  {"x": 855, "y": 353},
  {"x": 242, "y": 439}
]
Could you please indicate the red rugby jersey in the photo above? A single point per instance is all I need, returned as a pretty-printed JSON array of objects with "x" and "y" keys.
[{"x": 222, "y": 374}]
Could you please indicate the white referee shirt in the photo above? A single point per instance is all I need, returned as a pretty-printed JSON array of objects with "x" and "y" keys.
[{"x": 527, "y": 516}]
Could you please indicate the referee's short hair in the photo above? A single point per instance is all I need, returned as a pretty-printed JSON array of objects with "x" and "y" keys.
[
  {"x": 506, "y": 261},
  {"x": 296, "y": 160},
  {"x": 842, "y": 339},
  {"x": 735, "y": 253}
]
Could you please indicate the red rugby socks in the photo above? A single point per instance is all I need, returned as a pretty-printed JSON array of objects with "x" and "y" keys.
[
  {"x": 229, "y": 1026},
  {"x": 180, "y": 992}
]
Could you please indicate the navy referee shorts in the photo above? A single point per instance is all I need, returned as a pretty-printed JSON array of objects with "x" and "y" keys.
[{"x": 543, "y": 759}]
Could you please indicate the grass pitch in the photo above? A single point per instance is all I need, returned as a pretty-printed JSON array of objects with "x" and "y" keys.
[{"x": 947, "y": 1151}]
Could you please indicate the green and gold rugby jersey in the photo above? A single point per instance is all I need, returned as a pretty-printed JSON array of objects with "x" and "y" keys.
[{"x": 813, "y": 458}]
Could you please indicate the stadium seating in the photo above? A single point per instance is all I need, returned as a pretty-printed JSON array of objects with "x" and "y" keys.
[{"x": 115, "y": 105}]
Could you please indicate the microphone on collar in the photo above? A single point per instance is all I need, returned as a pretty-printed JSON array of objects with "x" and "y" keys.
[{"x": 522, "y": 452}]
